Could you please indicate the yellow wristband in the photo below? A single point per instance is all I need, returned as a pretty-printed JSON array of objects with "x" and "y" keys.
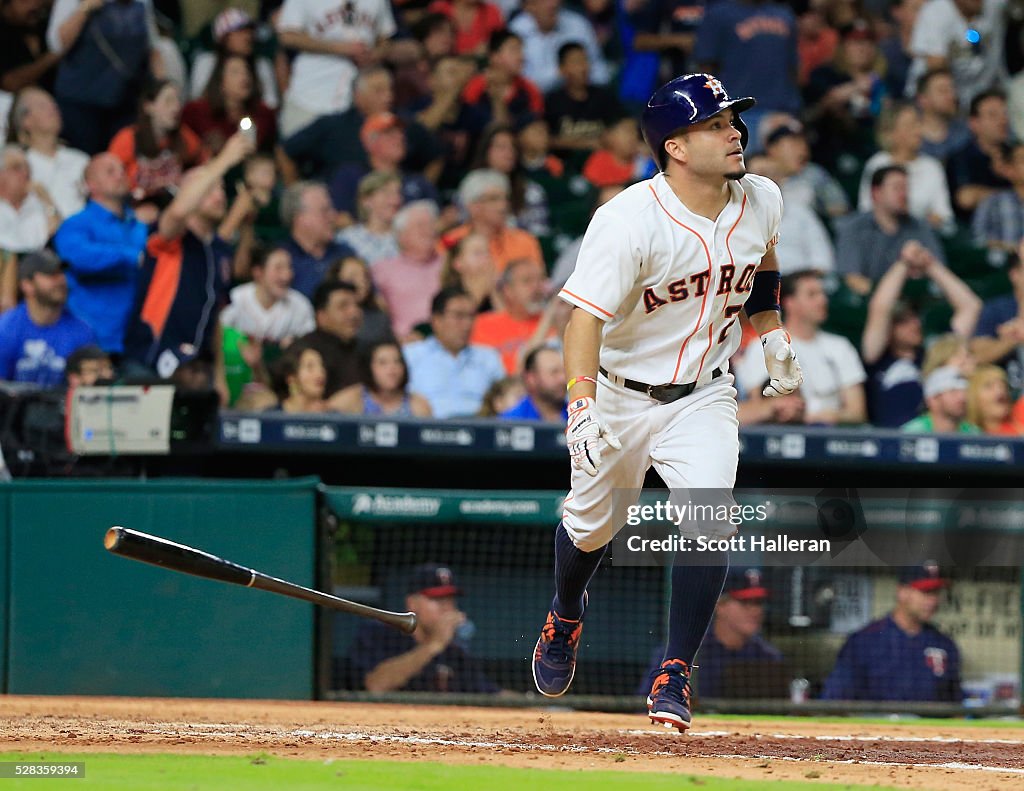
[{"x": 579, "y": 380}]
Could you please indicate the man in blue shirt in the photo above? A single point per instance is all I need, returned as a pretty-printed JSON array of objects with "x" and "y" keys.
[
  {"x": 901, "y": 656},
  {"x": 103, "y": 246},
  {"x": 307, "y": 213},
  {"x": 434, "y": 658},
  {"x": 544, "y": 378},
  {"x": 37, "y": 337},
  {"x": 452, "y": 375}
]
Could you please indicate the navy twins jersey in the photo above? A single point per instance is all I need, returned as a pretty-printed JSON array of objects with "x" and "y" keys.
[
  {"x": 882, "y": 662},
  {"x": 669, "y": 284}
]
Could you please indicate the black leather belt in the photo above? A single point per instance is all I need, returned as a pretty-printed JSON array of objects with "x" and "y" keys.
[{"x": 666, "y": 394}]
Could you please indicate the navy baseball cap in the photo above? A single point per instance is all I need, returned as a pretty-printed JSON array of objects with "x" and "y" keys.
[
  {"x": 433, "y": 580},
  {"x": 43, "y": 262},
  {"x": 745, "y": 584},
  {"x": 925, "y": 577}
]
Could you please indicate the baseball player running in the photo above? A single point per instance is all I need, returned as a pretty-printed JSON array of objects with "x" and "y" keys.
[{"x": 664, "y": 270}]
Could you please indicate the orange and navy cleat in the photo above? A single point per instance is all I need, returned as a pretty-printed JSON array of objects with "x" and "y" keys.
[
  {"x": 669, "y": 701},
  {"x": 554, "y": 658}
]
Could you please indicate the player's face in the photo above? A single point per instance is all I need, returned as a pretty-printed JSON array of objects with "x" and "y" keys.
[
  {"x": 712, "y": 148},
  {"x": 431, "y": 609},
  {"x": 742, "y": 617},
  {"x": 919, "y": 605}
]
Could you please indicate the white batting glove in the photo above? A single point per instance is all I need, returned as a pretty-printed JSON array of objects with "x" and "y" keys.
[
  {"x": 783, "y": 367},
  {"x": 584, "y": 433}
]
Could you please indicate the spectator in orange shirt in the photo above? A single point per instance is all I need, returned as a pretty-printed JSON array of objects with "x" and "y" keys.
[
  {"x": 523, "y": 289},
  {"x": 619, "y": 159},
  {"x": 989, "y": 406},
  {"x": 474, "y": 22},
  {"x": 501, "y": 92},
  {"x": 485, "y": 195},
  {"x": 157, "y": 148}
]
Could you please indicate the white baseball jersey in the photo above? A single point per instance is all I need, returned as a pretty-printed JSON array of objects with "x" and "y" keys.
[
  {"x": 668, "y": 283},
  {"x": 323, "y": 83}
]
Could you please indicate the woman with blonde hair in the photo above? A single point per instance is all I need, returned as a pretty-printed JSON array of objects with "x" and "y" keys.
[
  {"x": 469, "y": 266},
  {"x": 989, "y": 406},
  {"x": 379, "y": 197}
]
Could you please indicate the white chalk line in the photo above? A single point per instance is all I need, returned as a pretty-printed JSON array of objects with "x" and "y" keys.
[{"x": 236, "y": 730}]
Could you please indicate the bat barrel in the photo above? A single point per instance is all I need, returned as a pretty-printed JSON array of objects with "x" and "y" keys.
[{"x": 178, "y": 557}]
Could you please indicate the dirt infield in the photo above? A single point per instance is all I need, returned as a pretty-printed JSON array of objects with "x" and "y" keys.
[{"x": 930, "y": 757}]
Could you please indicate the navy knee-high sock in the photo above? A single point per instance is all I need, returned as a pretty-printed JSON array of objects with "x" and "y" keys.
[
  {"x": 573, "y": 570},
  {"x": 695, "y": 592}
]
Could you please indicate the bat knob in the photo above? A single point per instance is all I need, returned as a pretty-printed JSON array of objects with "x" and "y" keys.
[{"x": 113, "y": 537}]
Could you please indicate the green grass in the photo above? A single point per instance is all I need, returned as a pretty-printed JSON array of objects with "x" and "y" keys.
[
  {"x": 904, "y": 719},
  {"x": 263, "y": 772}
]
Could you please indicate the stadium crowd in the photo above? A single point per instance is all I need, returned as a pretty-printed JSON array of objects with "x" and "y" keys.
[{"x": 368, "y": 206}]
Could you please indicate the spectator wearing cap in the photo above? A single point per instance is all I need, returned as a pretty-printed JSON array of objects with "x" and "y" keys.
[
  {"x": 485, "y": 195},
  {"x": 103, "y": 246},
  {"x": 976, "y": 169},
  {"x": 408, "y": 282},
  {"x": 332, "y": 45},
  {"x": 892, "y": 345},
  {"x": 106, "y": 51},
  {"x": 998, "y": 222},
  {"x": 943, "y": 131},
  {"x": 735, "y": 636},
  {"x": 234, "y": 33},
  {"x": 577, "y": 111},
  {"x": 383, "y": 139},
  {"x": 38, "y": 336},
  {"x": 965, "y": 36},
  {"x": 833, "y": 389},
  {"x": 945, "y": 395},
  {"x": 544, "y": 379},
  {"x": 28, "y": 216},
  {"x": 445, "y": 369},
  {"x": 544, "y": 26},
  {"x": 501, "y": 93},
  {"x": 999, "y": 336},
  {"x": 36, "y": 124},
  {"x": 869, "y": 242},
  {"x": 307, "y": 213},
  {"x": 87, "y": 366},
  {"x": 338, "y": 321},
  {"x": 899, "y": 134},
  {"x": 435, "y": 657},
  {"x": 185, "y": 278},
  {"x": 232, "y": 94},
  {"x": 378, "y": 198},
  {"x": 901, "y": 656},
  {"x": 802, "y": 181},
  {"x": 844, "y": 98}
]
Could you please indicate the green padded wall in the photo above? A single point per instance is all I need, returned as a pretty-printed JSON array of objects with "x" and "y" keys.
[{"x": 84, "y": 621}]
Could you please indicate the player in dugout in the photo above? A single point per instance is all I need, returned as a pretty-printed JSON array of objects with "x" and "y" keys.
[
  {"x": 901, "y": 656},
  {"x": 434, "y": 658}
]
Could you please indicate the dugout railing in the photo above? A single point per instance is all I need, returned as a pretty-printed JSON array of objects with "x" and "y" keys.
[{"x": 499, "y": 545}]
